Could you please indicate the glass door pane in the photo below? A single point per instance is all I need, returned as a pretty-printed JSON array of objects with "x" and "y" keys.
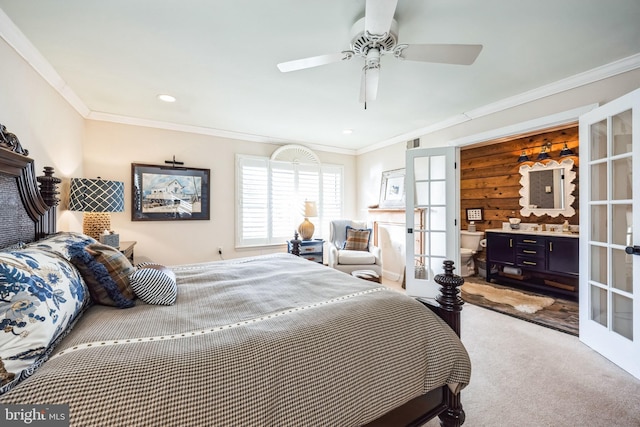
[
  {"x": 431, "y": 181},
  {"x": 610, "y": 205}
]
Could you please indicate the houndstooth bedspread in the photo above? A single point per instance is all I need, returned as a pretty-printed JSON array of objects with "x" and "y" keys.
[{"x": 266, "y": 341}]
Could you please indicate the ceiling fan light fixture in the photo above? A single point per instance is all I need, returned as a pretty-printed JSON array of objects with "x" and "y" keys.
[{"x": 375, "y": 35}]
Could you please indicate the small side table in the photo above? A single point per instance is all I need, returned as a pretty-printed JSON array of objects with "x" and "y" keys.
[
  {"x": 127, "y": 249},
  {"x": 313, "y": 250}
]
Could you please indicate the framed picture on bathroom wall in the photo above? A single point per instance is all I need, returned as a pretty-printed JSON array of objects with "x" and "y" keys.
[
  {"x": 392, "y": 192},
  {"x": 475, "y": 214}
]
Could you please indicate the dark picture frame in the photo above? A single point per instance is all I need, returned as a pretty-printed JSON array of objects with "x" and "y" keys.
[
  {"x": 169, "y": 193},
  {"x": 392, "y": 189},
  {"x": 475, "y": 214}
]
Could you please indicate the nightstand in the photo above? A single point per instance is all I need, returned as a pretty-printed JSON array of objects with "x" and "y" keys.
[
  {"x": 127, "y": 249},
  {"x": 313, "y": 250}
]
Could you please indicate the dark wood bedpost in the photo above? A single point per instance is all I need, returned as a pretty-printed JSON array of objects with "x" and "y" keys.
[
  {"x": 295, "y": 244},
  {"x": 449, "y": 297},
  {"x": 49, "y": 192},
  {"x": 450, "y": 307}
]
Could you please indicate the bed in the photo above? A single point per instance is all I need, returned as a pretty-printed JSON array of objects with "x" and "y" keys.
[{"x": 273, "y": 340}]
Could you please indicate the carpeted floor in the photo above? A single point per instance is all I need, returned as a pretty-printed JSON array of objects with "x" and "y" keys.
[{"x": 561, "y": 315}]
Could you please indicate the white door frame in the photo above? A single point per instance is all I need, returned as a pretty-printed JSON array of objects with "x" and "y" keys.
[{"x": 598, "y": 309}]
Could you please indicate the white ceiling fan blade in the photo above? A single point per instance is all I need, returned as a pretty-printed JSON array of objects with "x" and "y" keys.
[
  {"x": 378, "y": 15},
  {"x": 460, "y": 54},
  {"x": 314, "y": 61},
  {"x": 369, "y": 84}
]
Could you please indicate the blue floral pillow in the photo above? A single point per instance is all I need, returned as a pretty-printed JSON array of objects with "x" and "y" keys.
[
  {"x": 41, "y": 296},
  {"x": 62, "y": 241}
]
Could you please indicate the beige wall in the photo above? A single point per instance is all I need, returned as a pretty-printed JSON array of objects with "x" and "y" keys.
[
  {"x": 111, "y": 148},
  {"x": 43, "y": 121},
  {"x": 57, "y": 136},
  {"x": 371, "y": 165}
]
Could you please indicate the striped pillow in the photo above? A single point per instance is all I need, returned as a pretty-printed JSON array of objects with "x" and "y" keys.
[
  {"x": 357, "y": 239},
  {"x": 154, "y": 284}
]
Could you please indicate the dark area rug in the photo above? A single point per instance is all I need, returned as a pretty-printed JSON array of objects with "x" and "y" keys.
[{"x": 562, "y": 315}]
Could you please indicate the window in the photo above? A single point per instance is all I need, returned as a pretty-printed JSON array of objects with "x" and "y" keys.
[{"x": 270, "y": 195}]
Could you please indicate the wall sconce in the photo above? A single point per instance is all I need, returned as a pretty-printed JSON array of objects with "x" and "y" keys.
[
  {"x": 306, "y": 229},
  {"x": 566, "y": 151},
  {"x": 544, "y": 153},
  {"x": 96, "y": 198},
  {"x": 523, "y": 157}
]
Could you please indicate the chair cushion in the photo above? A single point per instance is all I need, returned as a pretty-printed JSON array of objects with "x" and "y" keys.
[
  {"x": 357, "y": 239},
  {"x": 349, "y": 257}
]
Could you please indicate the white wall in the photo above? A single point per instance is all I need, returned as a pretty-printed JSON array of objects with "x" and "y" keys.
[
  {"x": 111, "y": 148},
  {"x": 56, "y": 135},
  {"x": 43, "y": 121},
  {"x": 370, "y": 165}
]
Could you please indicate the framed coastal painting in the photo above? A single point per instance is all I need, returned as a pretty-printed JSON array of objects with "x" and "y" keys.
[
  {"x": 392, "y": 192},
  {"x": 169, "y": 193}
]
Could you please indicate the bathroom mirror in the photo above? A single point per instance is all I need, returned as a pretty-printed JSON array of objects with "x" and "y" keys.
[{"x": 547, "y": 189}]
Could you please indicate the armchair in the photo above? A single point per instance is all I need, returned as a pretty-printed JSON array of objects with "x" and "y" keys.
[{"x": 348, "y": 260}]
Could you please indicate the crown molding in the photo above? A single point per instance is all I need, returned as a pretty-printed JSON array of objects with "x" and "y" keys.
[
  {"x": 17, "y": 40},
  {"x": 612, "y": 69},
  {"x": 23, "y": 47}
]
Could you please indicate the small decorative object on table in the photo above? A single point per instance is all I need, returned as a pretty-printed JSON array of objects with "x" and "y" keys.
[
  {"x": 369, "y": 275},
  {"x": 515, "y": 223},
  {"x": 110, "y": 238}
]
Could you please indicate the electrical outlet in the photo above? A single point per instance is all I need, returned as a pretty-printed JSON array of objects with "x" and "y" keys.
[{"x": 219, "y": 250}]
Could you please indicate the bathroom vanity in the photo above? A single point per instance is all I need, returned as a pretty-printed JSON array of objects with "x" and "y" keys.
[{"x": 545, "y": 261}]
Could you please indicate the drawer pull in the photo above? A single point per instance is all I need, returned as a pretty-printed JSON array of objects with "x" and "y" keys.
[
  {"x": 529, "y": 252},
  {"x": 510, "y": 243},
  {"x": 529, "y": 241},
  {"x": 550, "y": 246},
  {"x": 529, "y": 263}
]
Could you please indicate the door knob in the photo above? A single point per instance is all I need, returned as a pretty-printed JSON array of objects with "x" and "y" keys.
[{"x": 632, "y": 250}]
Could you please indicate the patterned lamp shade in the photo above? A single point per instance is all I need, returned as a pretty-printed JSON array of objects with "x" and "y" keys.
[
  {"x": 96, "y": 198},
  {"x": 96, "y": 195}
]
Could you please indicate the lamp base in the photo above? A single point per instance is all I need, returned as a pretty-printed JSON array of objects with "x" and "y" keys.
[
  {"x": 306, "y": 229},
  {"x": 94, "y": 223}
]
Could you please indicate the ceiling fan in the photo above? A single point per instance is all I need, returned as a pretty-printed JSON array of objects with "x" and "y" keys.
[{"x": 376, "y": 35}]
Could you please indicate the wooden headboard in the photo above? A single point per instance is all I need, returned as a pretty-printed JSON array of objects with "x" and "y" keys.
[{"x": 27, "y": 203}]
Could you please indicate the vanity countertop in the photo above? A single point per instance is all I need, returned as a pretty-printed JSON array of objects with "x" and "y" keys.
[{"x": 538, "y": 233}]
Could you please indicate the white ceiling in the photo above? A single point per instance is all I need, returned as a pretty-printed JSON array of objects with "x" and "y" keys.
[{"x": 218, "y": 58}]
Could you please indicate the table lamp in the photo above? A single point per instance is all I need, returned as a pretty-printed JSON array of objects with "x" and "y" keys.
[
  {"x": 96, "y": 198},
  {"x": 306, "y": 229}
]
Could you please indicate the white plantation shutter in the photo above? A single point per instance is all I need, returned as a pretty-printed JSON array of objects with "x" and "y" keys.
[
  {"x": 283, "y": 203},
  {"x": 332, "y": 188},
  {"x": 253, "y": 196},
  {"x": 271, "y": 195}
]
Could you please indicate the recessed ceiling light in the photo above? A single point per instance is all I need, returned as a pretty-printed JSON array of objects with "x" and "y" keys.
[
  {"x": 347, "y": 131},
  {"x": 166, "y": 98}
]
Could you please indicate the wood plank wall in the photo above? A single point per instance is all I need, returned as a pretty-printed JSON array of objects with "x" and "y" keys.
[{"x": 490, "y": 177}]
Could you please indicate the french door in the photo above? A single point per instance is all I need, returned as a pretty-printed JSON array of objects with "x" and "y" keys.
[
  {"x": 431, "y": 184},
  {"x": 609, "y": 244}
]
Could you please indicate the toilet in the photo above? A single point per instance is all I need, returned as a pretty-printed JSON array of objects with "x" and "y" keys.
[{"x": 469, "y": 245}]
